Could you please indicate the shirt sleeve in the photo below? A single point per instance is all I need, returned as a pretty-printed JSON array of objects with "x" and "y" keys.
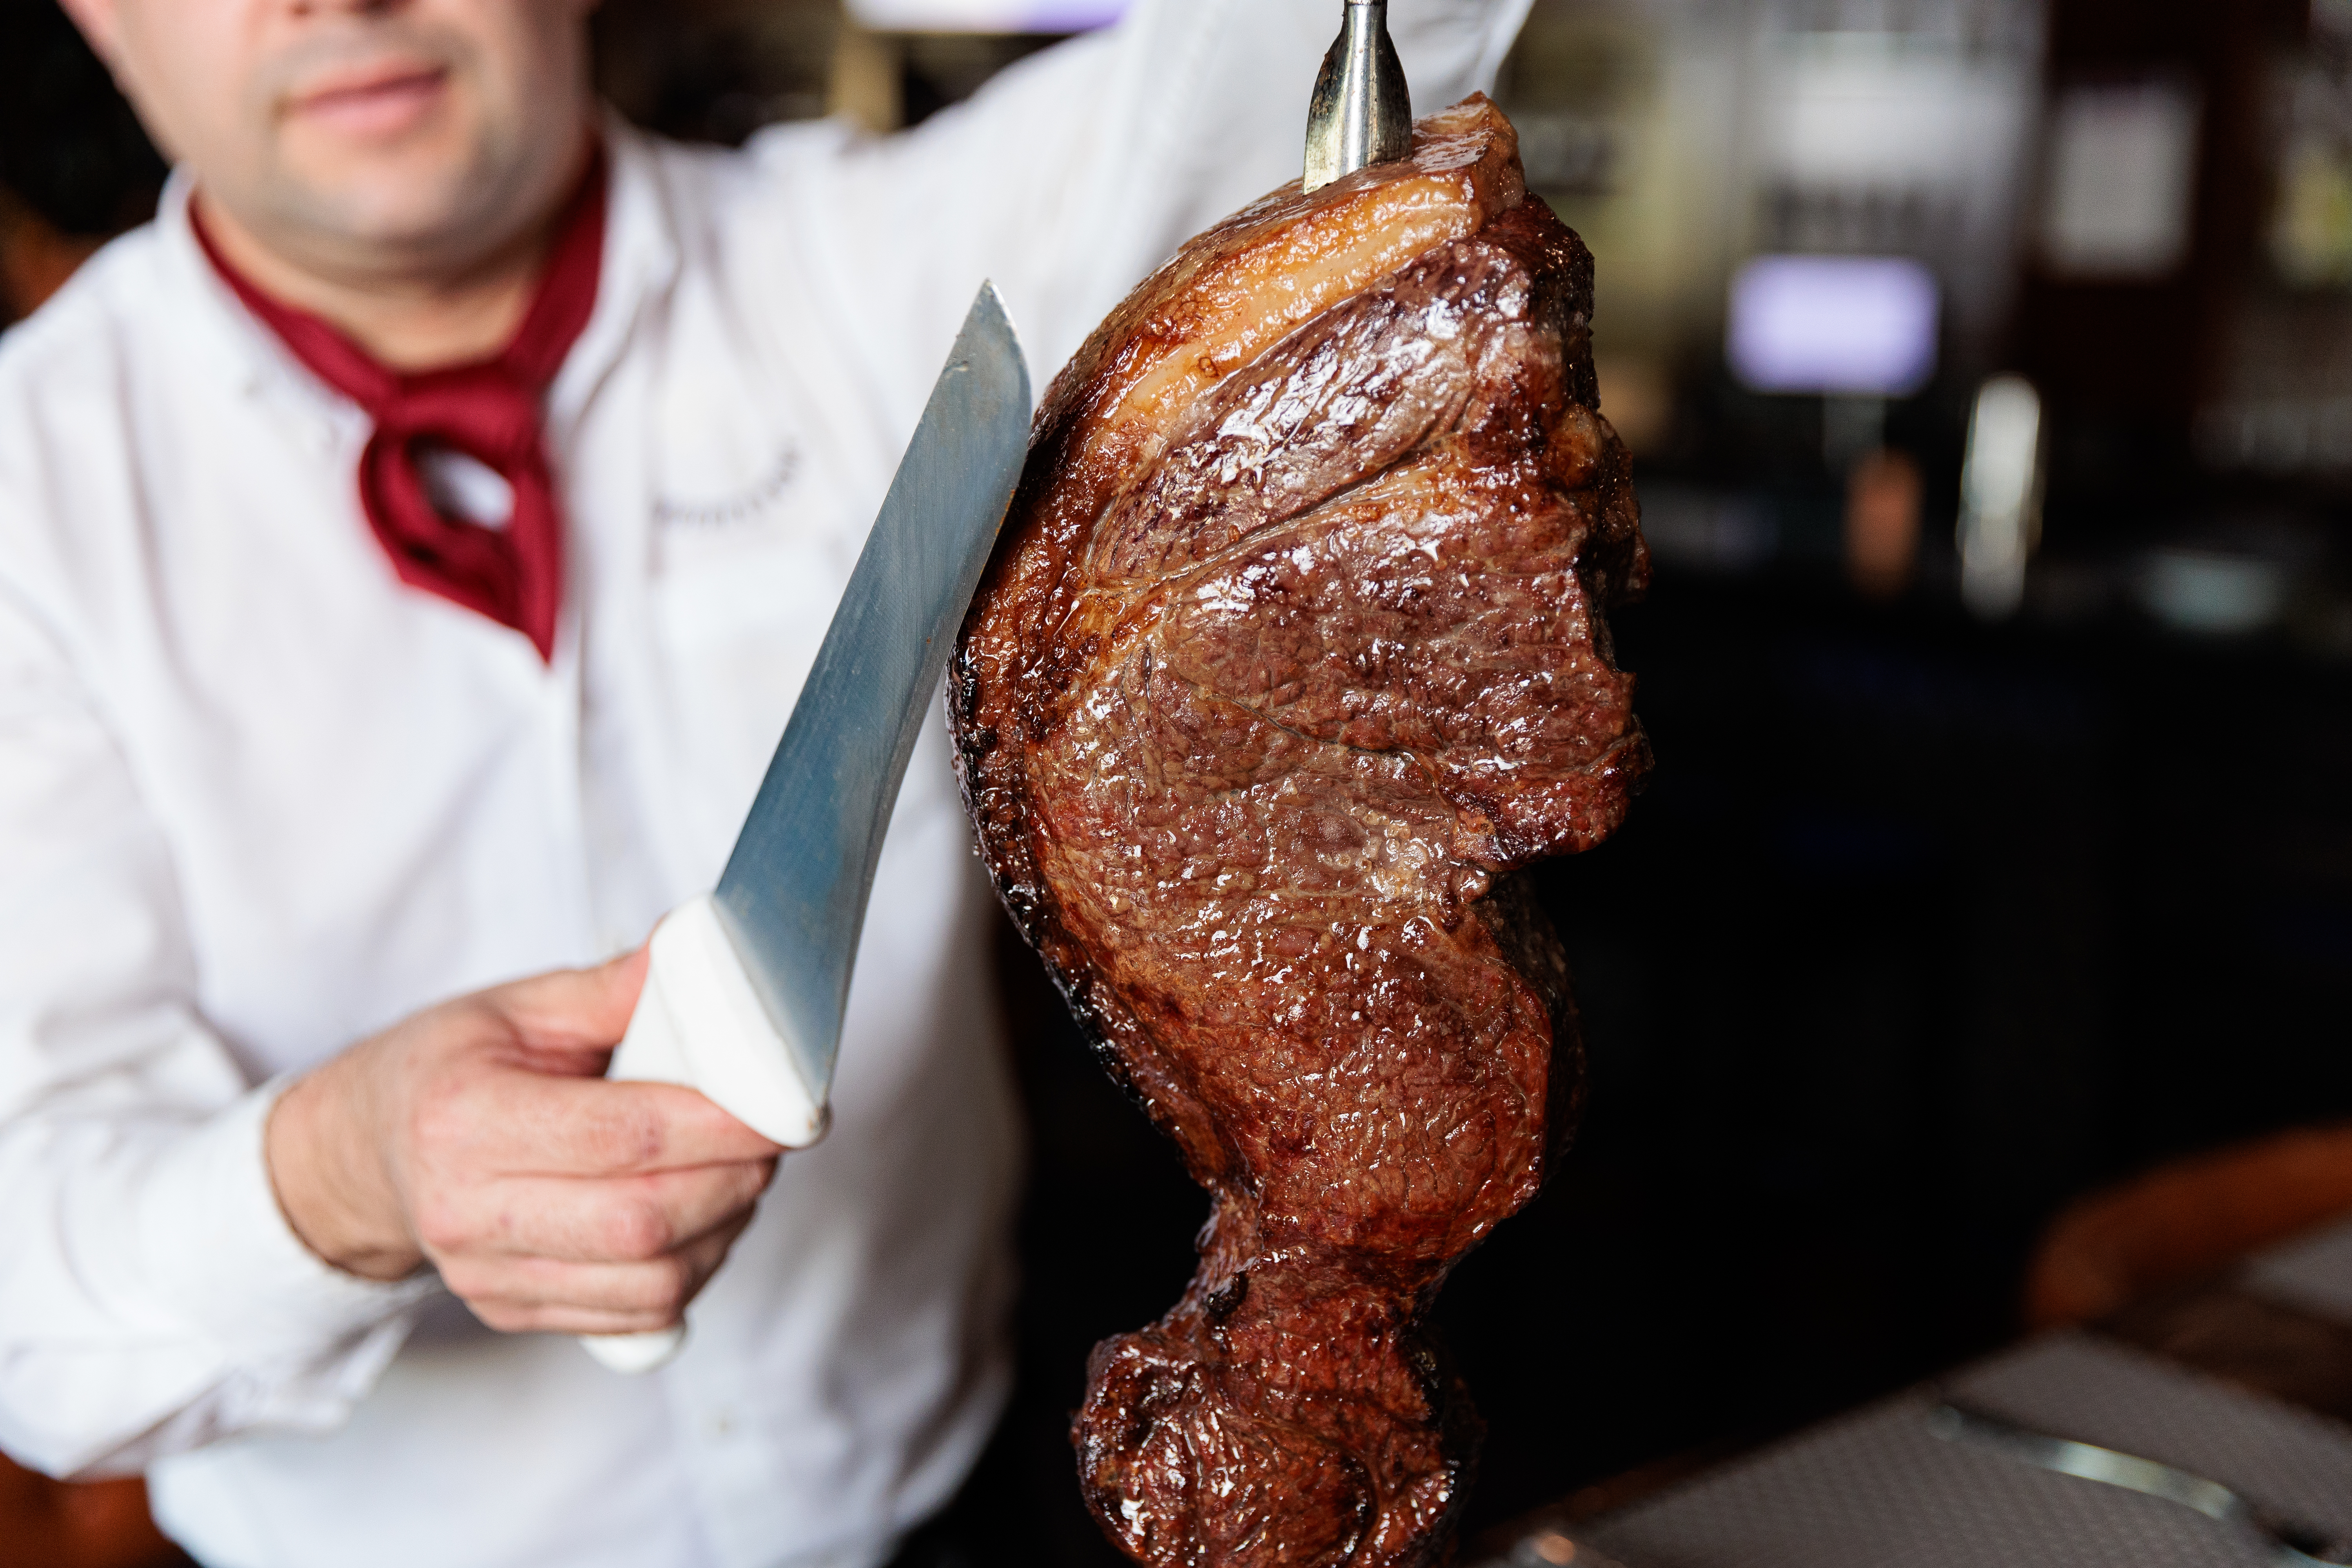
[
  {"x": 152, "y": 1297},
  {"x": 1074, "y": 173}
]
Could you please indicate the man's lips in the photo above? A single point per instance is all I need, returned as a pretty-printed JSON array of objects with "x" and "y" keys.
[{"x": 383, "y": 101}]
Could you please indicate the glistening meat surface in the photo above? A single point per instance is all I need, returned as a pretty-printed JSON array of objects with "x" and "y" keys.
[{"x": 1291, "y": 653}]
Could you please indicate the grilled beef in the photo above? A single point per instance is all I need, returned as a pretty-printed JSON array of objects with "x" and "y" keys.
[{"x": 1291, "y": 653}]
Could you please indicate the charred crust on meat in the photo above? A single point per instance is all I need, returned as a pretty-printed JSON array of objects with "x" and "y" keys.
[{"x": 1292, "y": 653}]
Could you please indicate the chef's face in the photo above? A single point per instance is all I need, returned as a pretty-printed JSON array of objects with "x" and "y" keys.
[{"x": 359, "y": 137}]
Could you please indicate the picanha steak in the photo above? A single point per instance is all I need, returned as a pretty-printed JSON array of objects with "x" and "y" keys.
[{"x": 1291, "y": 653}]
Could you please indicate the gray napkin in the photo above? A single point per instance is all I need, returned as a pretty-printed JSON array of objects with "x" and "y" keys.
[{"x": 1879, "y": 1489}]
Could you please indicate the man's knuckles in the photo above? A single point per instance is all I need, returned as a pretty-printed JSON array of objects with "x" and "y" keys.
[
  {"x": 624, "y": 1219},
  {"x": 445, "y": 1224},
  {"x": 659, "y": 1126},
  {"x": 633, "y": 1227},
  {"x": 516, "y": 1121},
  {"x": 573, "y": 1223},
  {"x": 682, "y": 1211}
]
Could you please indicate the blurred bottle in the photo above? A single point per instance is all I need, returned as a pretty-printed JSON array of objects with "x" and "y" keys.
[{"x": 2000, "y": 496}]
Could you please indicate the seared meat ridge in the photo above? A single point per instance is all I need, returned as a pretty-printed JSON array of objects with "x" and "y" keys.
[{"x": 1291, "y": 651}]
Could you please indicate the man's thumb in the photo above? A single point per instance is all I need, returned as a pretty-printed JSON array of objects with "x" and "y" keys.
[{"x": 585, "y": 1009}]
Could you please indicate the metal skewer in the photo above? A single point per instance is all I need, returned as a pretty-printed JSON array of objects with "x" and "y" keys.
[{"x": 1362, "y": 112}]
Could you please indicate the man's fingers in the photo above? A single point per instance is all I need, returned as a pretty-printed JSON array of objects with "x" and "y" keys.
[
  {"x": 634, "y": 1220},
  {"x": 513, "y": 1319},
  {"x": 615, "y": 1297},
  {"x": 522, "y": 1123}
]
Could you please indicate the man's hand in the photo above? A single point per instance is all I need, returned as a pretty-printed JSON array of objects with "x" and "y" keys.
[{"x": 479, "y": 1137}]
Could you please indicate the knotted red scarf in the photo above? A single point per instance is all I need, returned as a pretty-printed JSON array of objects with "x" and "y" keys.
[{"x": 488, "y": 410}]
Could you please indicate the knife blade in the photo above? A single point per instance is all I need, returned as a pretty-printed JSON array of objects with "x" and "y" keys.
[
  {"x": 745, "y": 994},
  {"x": 792, "y": 898}
]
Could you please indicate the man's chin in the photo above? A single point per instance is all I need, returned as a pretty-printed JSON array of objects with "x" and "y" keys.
[{"x": 399, "y": 210}]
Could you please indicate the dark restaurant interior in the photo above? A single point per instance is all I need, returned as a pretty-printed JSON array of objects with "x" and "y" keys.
[{"x": 1977, "y": 961}]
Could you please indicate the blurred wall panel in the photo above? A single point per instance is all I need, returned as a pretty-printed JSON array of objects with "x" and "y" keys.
[
  {"x": 1902, "y": 130},
  {"x": 2127, "y": 361},
  {"x": 2283, "y": 412},
  {"x": 716, "y": 70},
  {"x": 1682, "y": 138},
  {"x": 1629, "y": 116}
]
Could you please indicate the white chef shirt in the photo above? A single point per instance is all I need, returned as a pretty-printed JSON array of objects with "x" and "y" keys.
[{"x": 258, "y": 800}]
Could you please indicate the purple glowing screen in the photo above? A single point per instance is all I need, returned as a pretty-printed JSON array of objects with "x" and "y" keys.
[
  {"x": 989, "y": 16},
  {"x": 1853, "y": 325}
]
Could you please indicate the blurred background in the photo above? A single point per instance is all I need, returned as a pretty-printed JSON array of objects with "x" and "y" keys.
[{"x": 1988, "y": 369}]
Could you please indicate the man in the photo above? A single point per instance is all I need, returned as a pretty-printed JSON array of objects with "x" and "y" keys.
[{"x": 410, "y": 547}]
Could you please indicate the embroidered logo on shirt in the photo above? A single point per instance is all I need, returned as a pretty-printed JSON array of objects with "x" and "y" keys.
[{"x": 735, "y": 509}]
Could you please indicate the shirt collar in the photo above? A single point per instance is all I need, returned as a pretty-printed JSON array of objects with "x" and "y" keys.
[
  {"x": 641, "y": 262},
  {"x": 227, "y": 340}
]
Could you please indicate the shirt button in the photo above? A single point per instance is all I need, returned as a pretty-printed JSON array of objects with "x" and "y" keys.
[{"x": 720, "y": 1425}]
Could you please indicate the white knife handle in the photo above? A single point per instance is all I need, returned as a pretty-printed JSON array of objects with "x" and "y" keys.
[
  {"x": 630, "y": 1355},
  {"x": 699, "y": 1023}
]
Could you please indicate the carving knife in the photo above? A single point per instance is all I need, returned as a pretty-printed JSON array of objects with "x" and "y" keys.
[{"x": 744, "y": 998}]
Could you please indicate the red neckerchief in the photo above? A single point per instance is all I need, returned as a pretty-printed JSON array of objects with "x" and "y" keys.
[{"x": 488, "y": 410}]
